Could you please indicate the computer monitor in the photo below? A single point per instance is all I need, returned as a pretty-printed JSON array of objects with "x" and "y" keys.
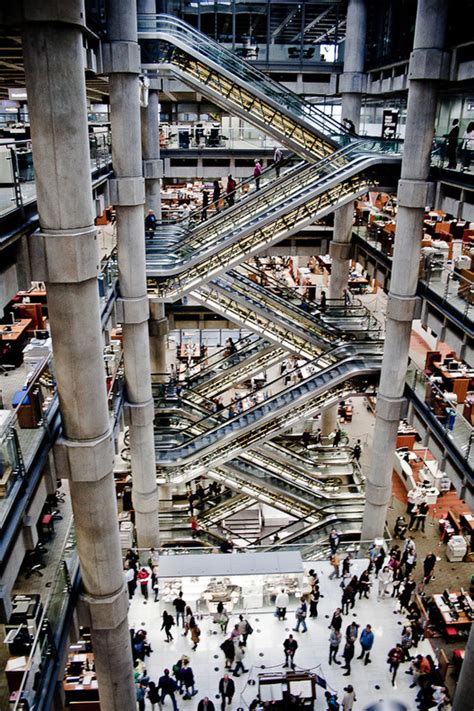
[
  {"x": 42, "y": 335},
  {"x": 453, "y": 365},
  {"x": 445, "y": 596},
  {"x": 448, "y": 360}
]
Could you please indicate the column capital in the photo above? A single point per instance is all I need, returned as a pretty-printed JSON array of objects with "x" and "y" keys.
[
  {"x": 430, "y": 64},
  {"x": 26, "y": 11},
  {"x": 390, "y": 408},
  {"x": 340, "y": 250},
  {"x": 121, "y": 57},
  {"x": 84, "y": 460},
  {"x": 131, "y": 310},
  {"x": 106, "y": 613},
  {"x": 153, "y": 168},
  {"x": 64, "y": 256},
  {"x": 353, "y": 83},
  {"x": 415, "y": 193},
  {"x": 402, "y": 308},
  {"x": 127, "y": 192},
  {"x": 139, "y": 414}
]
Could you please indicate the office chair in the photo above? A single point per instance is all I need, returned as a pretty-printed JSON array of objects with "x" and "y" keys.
[{"x": 4, "y": 353}]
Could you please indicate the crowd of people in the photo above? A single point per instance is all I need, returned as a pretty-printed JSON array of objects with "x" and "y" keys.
[{"x": 387, "y": 574}]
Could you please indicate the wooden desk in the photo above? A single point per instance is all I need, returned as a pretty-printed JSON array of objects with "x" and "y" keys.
[
  {"x": 462, "y": 621},
  {"x": 14, "y": 671},
  {"x": 455, "y": 380},
  {"x": 15, "y": 331},
  {"x": 86, "y": 689},
  {"x": 406, "y": 440}
]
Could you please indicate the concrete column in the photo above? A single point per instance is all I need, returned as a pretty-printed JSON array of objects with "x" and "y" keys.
[
  {"x": 121, "y": 56},
  {"x": 353, "y": 81},
  {"x": 465, "y": 686},
  {"x": 152, "y": 165},
  {"x": 340, "y": 250},
  {"x": 65, "y": 255},
  {"x": 328, "y": 420},
  {"x": 427, "y": 65},
  {"x": 158, "y": 329}
]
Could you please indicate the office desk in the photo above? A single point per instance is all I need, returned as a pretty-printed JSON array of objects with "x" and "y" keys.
[
  {"x": 456, "y": 380},
  {"x": 17, "y": 331},
  {"x": 85, "y": 689},
  {"x": 462, "y": 621}
]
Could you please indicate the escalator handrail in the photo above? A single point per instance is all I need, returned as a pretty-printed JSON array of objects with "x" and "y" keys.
[{"x": 219, "y": 356}]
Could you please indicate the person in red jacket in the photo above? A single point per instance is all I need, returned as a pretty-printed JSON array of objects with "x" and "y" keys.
[{"x": 143, "y": 577}]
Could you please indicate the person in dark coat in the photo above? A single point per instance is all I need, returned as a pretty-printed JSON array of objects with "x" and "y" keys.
[
  {"x": 348, "y": 655},
  {"x": 226, "y": 690},
  {"x": 206, "y": 705},
  {"x": 452, "y": 144},
  {"x": 168, "y": 687}
]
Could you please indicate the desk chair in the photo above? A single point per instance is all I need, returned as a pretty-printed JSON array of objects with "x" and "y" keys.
[{"x": 4, "y": 353}]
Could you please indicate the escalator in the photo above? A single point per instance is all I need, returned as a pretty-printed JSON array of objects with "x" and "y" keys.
[
  {"x": 299, "y": 198},
  {"x": 181, "y": 51},
  {"x": 336, "y": 375},
  {"x": 221, "y": 371},
  {"x": 338, "y": 318}
]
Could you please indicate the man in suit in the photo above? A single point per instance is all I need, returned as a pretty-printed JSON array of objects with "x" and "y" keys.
[
  {"x": 206, "y": 705},
  {"x": 452, "y": 144},
  {"x": 226, "y": 690}
]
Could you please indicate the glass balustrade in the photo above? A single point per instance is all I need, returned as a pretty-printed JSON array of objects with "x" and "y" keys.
[
  {"x": 17, "y": 169},
  {"x": 457, "y": 429},
  {"x": 23, "y": 429},
  {"x": 51, "y": 628}
]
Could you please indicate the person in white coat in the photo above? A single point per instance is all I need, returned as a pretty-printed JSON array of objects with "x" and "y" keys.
[
  {"x": 281, "y": 603},
  {"x": 385, "y": 578}
]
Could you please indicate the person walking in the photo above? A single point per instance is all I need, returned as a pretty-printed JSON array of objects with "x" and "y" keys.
[
  {"x": 186, "y": 677},
  {"x": 334, "y": 540},
  {"x": 290, "y": 645},
  {"x": 467, "y": 146},
  {"x": 239, "y": 659},
  {"x": 423, "y": 509},
  {"x": 348, "y": 595},
  {"x": 395, "y": 658},
  {"x": 206, "y": 705},
  {"x": 452, "y": 145},
  {"x": 364, "y": 584},
  {"x": 334, "y": 642},
  {"x": 130, "y": 579},
  {"x": 226, "y": 690},
  {"x": 300, "y": 615},
  {"x": 335, "y": 561},
  {"x": 349, "y": 698},
  {"x": 379, "y": 561},
  {"x": 407, "y": 592},
  {"x": 195, "y": 633},
  {"x": 228, "y": 647},
  {"x": 143, "y": 578},
  {"x": 150, "y": 224},
  {"x": 406, "y": 641},
  {"x": 277, "y": 160},
  {"x": 204, "y": 209},
  {"x": 428, "y": 567},
  {"x": 230, "y": 191},
  {"x": 314, "y": 601},
  {"x": 166, "y": 625},
  {"x": 337, "y": 438},
  {"x": 385, "y": 578},
  {"x": 336, "y": 620},
  {"x": 366, "y": 643},
  {"x": 153, "y": 695},
  {"x": 216, "y": 195},
  {"x": 257, "y": 172},
  {"x": 346, "y": 565},
  {"x": 322, "y": 303},
  {"x": 281, "y": 603},
  {"x": 356, "y": 451},
  {"x": 168, "y": 687},
  {"x": 180, "y": 606},
  {"x": 348, "y": 654}
]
